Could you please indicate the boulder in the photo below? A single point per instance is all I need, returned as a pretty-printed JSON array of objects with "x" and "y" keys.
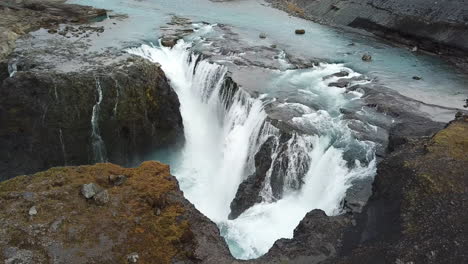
[
  {"x": 32, "y": 211},
  {"x": 89, "y": 190},
  {"x": 168, "y": 42},
  {"x": 117, "y": 180},
  {"x": 262, "y": 35},
  {"x": 299, "y": 31},
  {"x": 366, "y": 57},
  {"x": 102, "y": 197}
]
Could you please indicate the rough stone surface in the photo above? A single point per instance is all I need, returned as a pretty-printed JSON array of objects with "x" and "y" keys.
[
  {"x": 54, "y": 84},
  {"x": 87, "y": 233},
  {"x": 248, "y": 192},
  {"x": 416, "y": 212},
  {"x": 20, "y": 17},
  {"x": 46, "y": 116},
  {"x": 102, "y": 197},
  {"x": 90, "y": 190}
]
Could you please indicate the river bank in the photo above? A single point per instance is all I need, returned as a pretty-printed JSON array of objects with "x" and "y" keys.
[{"x": 440, "y": 28}]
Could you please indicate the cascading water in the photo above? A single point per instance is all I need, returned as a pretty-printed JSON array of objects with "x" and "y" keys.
[
  {"x": 223, "y": 137},
  {"x": 99, "y": 149}
]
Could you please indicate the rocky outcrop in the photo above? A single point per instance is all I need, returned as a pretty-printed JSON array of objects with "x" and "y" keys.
[
  {"x": 440, "y": 27},
  {"x": 65, "y": 100},
  {"x": 118, "y": 113},
  {"x": 146, "y": 219},
  {"x": 316, "y": 239},
  {"x": 248, "y": 192},
  {"x": 416, "y": 212}
]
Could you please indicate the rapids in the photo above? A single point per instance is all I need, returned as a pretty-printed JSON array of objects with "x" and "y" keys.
[
  {"x": 222, "y": 138},
  {"x": 223, "y": 133}
]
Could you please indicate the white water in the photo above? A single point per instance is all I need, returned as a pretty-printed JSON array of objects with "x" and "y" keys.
[
  {"x": 222, "y": 139},
  {"x": 99, "y": 149}
]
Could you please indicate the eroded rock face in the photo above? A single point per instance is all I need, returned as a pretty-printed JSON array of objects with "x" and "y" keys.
[
  {"x": 316, "y": 239},
  {"x": 47, "y": 117},
  {"x": 69, "y": 228},
  {"x": 416, "y": 213}
]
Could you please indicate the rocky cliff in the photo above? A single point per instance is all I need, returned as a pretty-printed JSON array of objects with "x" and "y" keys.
[
  {"x": 104, "y": 214},
  {"x": 440, "y": 26},
  {"x": 64, "y": 101}
]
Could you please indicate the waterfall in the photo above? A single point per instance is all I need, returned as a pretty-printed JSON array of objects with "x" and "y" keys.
[
  {"x": 99, "y": 149},
  {"x": 224, "y": 129},
  {"x": 12, "y": 68},
  {"x": 62, "y": 144}
]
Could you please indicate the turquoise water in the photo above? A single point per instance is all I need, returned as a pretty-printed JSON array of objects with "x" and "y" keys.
[
  {"x": 441, "y": 83},
  {"x": 221, "y": 142}
]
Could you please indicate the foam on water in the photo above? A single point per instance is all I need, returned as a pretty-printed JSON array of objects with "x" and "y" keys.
[{"x": 223, "y": 133}]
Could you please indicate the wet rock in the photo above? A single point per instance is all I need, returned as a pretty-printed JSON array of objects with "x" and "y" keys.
[
  {"x": 412, "y": 212},
  {"x": 133, "y": 258},
  {"x": 166, "y": 42},
  {"x": 90, "y": 190},
  {"x": 117, "y": 180},
  {"x": 417, "y": 78},
  {"x": 316, "y": 239},
  {"x": 299, "y": 31},
  {"x": 248, "y": 192},
  {"x": 338, "y": 74},
  {"x": 138, "y": 114},
  {"x": 341, "y": 83},
  {"x": 102, "y": 197},
  {"x": 366, "y": 57},
  {"x": 262, "y": 35},
  {"x": 32, "y": 15},
  {"x": 32, "y": 211}
]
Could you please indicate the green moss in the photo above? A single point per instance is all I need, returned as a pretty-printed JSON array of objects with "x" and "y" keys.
[{"x": 142, "y": 210}]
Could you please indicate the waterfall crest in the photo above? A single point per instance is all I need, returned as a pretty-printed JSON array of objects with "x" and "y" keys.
[{"x": 224, "y": 128}]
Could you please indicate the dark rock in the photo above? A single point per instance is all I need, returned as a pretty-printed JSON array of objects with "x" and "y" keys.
[
  {"x": 117, "y": 180},
  {"x": 417, "y": 78},
  {"x": 338, "y": 74},
  {"x": 102, "y": 197},
  {"x": 299, "y": 31},
  {"x": 417, "y": 205},
  {"x": 168, "y": 42},
  {"x": 262, "y": 35},
  {"x": 46, "y": 117},
  {"x": 316, "y": 239},
  {"x": 341, "y": 83},
  {"x": 366, "y": 57},
  {"x": 248, "y": 192}
]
